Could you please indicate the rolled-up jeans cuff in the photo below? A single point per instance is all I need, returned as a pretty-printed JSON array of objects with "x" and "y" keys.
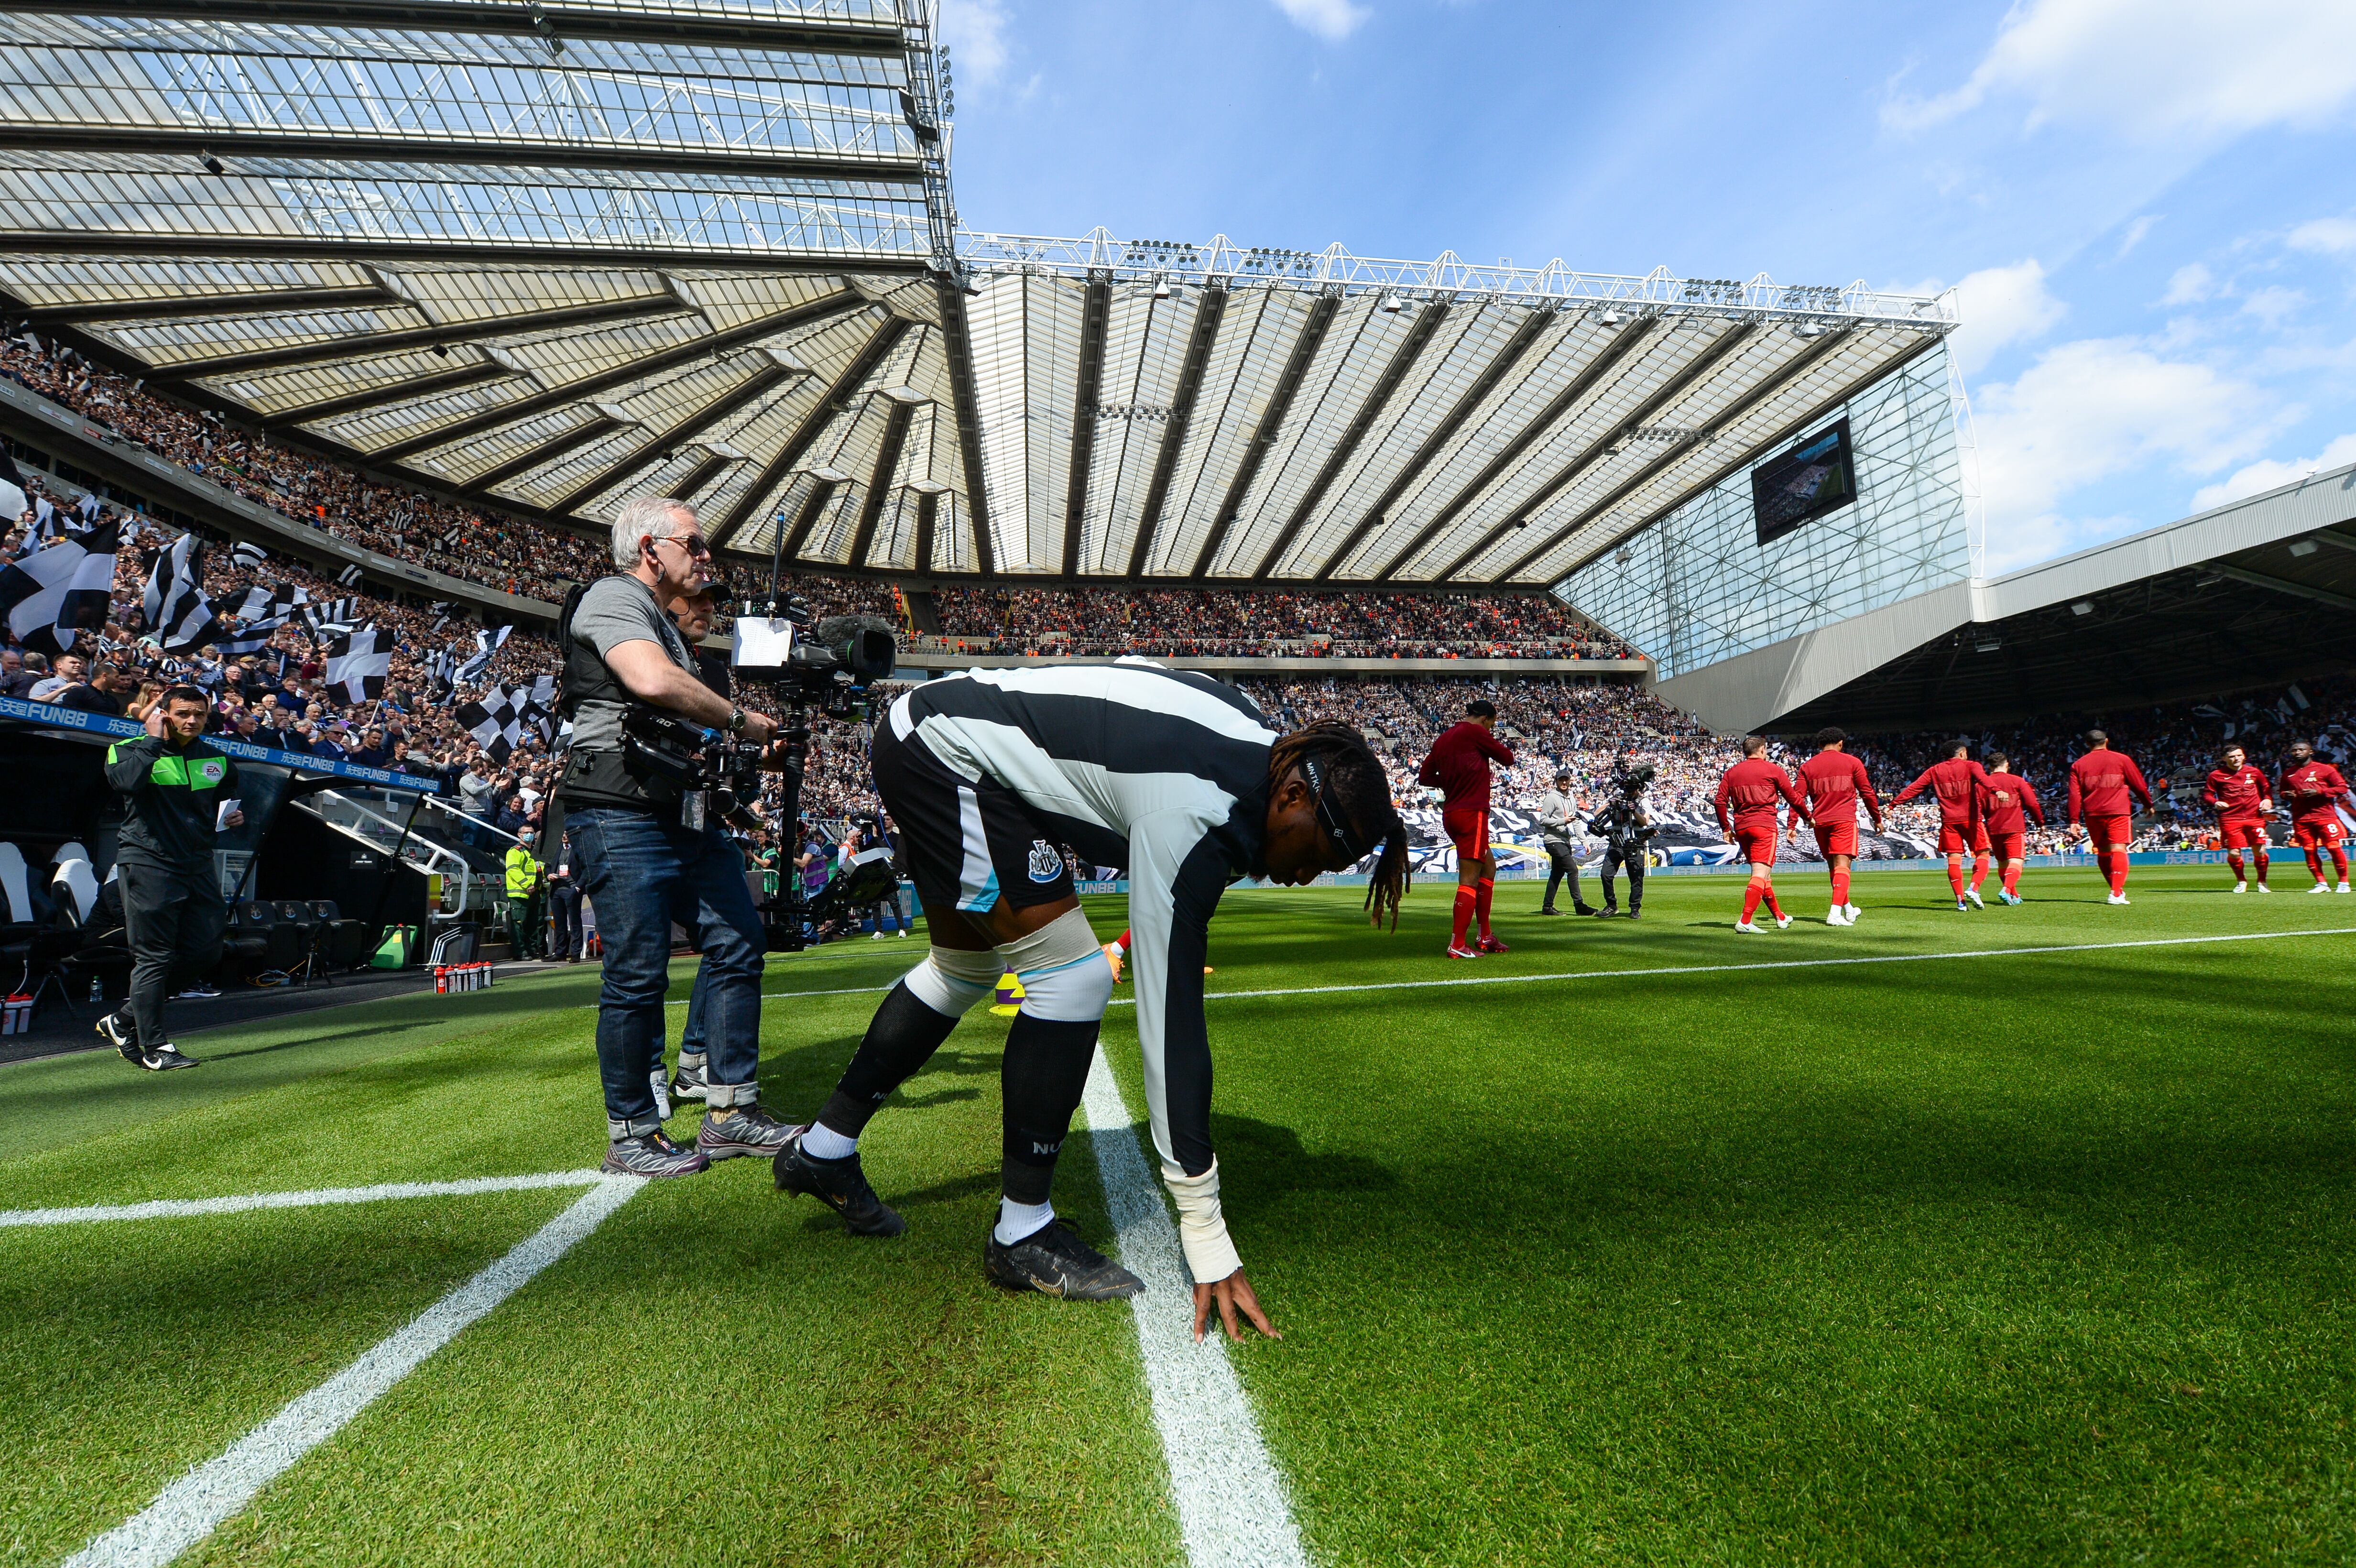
[
  {"x": 723, "y": 1096},
  {"x": 636, "y": 1127}
]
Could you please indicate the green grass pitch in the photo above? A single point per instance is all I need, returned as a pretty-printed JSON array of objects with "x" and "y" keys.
[{"x": 2034, "y": 1258}]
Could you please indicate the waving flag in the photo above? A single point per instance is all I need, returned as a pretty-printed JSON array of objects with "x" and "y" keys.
[
  {"x": 176, "y": 608},
  {"x": 52, "y": 594},
  {"x": 358, "y": 664}
]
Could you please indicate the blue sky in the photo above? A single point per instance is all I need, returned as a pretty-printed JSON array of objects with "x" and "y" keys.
[{"x": 2149, "y": 206}]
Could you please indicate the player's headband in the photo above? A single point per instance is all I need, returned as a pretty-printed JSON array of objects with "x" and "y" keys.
[{"x": 1329, "y": 815}]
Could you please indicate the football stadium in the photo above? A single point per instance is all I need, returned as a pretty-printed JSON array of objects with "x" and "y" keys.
[{"x": 1228, "y": 905}]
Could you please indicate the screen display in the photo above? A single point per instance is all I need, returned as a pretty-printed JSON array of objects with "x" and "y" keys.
[{"x": 1813, "y": 478}]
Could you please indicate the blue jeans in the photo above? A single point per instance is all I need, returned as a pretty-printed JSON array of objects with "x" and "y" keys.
[{"x": 636, "y": 870}]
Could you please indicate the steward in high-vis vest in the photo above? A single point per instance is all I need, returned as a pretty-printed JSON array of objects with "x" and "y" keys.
[
  {"x": 173, "y": 910},
  {"x": 523, "y": 901}
]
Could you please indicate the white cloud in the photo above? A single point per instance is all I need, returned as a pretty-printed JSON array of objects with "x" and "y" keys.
[
  {"x": 1999, "y": 305},
  {"x": 2272, "y": 474},
  {"x": 2189, "y": 286},
  {"x": 2160, "y": 69},
  {"x": 2272, "y": 305},
  {"x": 2330, "y": 236},
  {"x": 2093, "y": 408},
  {"x": 1334, "y": 19},
  {"x": 2135, "y": 232},
  {"x": 975, "y": 32}
]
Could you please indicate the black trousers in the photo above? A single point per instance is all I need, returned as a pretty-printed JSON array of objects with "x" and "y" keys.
[
  {"x": 1613, "y": 859},
  {"x": 1558, "y": 854},
  {"x": 173, "y": 920},
  {"x": 565, "y": 903}
]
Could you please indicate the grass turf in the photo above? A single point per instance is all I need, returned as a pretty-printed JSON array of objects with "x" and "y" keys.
[{"x": 2031, "y": 1258}]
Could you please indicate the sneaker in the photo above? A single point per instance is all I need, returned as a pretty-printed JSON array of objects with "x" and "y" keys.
[
  {"x": 2241, "y": 887},
  {"x": 200, "y": 992},
  {"x": 2320, "y": 888},
  {"x": 2115, "y": 899},
  {"x": 877, "y": 937},
  {"x": 1583, "y": 909},
  {"x": 1783, "y": 923},
  {"x": 2263, "y": 888},
  {"x": 688, "y": 1083},
  {"x": 1747, "y": 928},
  {"x": 164, "y": 1057},
  {"x": 1834, "y": 917},
  {"x": 1635, "y": 914},
  {"x": 117, "y": 1029},
  {"x": 656, "y": 1081},
  {"x": 1962, "y": 908},
  {"x": 2007, "y": 898},
  {"x": 1458, "y": 950},
  {"x": 2340, "y": 889},
  {"x": 839, "y": 1185},
  {"x": 1490, "y": 945},
  {"x": 1852, "y": 911},
  {"x": 1607, "y": 912},
  {"x": 652, "y": 1154},
  {"x": 1053, "y": 1261},
  {"x": 1974, "y": 895},
  {"x": 1549, "y": 910},
  {"x": 740, "y": 1129}
]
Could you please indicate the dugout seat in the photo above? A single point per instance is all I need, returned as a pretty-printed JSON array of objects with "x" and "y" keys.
[
  {"x": 280, "y": 943},
  {"x": 100, "y": 946},
  {"x": 343, "y": 944}
]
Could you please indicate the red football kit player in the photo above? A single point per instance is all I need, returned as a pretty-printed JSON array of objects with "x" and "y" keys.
[
  {"x": 1752, "y": 788},
  {"x": 2312, "y": 792},
  {"x": 2101, "y": 782},
  {"x": 2007, "y": 802},
  {"x": 1835, "y": 783},
  {"x": 1957, "y": 784},
  {"x": 1458, "y": 766},
  {"x": 2243, "y": 800}
]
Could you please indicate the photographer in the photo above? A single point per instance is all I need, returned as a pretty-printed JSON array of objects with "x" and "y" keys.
[
  {"x": 1626, "y": 826},
  {"x": 641, "y": 861}
]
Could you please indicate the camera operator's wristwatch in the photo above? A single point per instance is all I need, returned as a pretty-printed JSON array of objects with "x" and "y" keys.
[{"x": 736, "y": 721}]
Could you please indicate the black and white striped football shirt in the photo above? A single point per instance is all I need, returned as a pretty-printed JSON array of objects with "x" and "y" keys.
[{"x": 1162, "y": 770}]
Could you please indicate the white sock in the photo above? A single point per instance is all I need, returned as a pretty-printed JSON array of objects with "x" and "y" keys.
[
  {"x": 1016, "y": 1221},
  {"x": 822, "y": 1142}
]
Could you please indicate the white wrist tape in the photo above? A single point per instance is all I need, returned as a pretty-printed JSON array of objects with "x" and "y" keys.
[{"x": 1201, "y": 1227}]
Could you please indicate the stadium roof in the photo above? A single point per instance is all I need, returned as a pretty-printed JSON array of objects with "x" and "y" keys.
[
  {"x": 550, "y": 254},
  {"x": 2258, "y": 591}
]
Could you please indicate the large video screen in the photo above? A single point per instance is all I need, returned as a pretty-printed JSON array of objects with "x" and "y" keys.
[{"x": 1813, "y": 478}]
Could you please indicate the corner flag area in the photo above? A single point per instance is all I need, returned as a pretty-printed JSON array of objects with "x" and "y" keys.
[{"x": 2016, "y": 1235}]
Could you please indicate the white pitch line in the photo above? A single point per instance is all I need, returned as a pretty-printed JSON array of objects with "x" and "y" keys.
[
  {"x": 182, "y": 1207},
  {"x": 191, "y": 1508},
  {"x": 1232, "y": 1511}
]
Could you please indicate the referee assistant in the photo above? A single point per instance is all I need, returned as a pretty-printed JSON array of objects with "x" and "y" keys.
[{"x": 172, "y": 904}]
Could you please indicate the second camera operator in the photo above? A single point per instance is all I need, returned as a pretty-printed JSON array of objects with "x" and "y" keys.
[
  {"x": 646, "y": 850},
  {"x": 1626, "y": 826}
]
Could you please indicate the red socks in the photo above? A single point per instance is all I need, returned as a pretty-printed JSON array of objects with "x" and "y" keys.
[
  {"x": 2340, "y": 863},
  {"x": 1840, "y": 886},
  {"x": 2012, "y": 880},
  {"x": 1768, "y": 893},
  {"x": 1485, "y": 889},
  {"x": 1955, "y": 874},
  {"x": 1750, "y": 892},
  {"x": 1465, "y": 898},
  {"x": 2118, "y": 869},
  {"x": 2261, "y": 858},
  {"x": 1979, "y": 871},
  {"x": 2233, "y": 858},
  {"x": 2315, "y": 865}
]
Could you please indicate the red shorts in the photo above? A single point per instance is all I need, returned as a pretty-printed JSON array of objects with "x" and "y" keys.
[
  {"x": 1757, "y": 843},
  {"x": 1467, "y": 829},
  {"x": 2319, "y": 833},
  {"x": 2244, "y": 833},
  {"x": 1961, "y": 838},
  {"x": 2102, "y": 832},
  {"x": 1837, "y": 839},
  {"x": 2008, "y": 846}
]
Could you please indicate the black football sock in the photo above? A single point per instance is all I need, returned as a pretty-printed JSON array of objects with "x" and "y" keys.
[
  {"x": 900, "y": 1039},
  {"x": 1046, "y": 1071}
]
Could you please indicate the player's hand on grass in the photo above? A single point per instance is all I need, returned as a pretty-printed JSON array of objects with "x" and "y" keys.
[{"x": 1231, "y": 1293}]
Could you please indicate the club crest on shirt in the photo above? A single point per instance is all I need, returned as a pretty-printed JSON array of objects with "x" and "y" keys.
[{"x": 1046, "y": 865}]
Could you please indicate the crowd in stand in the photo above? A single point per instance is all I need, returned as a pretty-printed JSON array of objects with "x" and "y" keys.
[{"x": 1228, "y": 624}]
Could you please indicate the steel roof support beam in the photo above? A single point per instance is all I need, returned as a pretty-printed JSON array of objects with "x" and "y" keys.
[
  {"x": 838, "y": 396},
  {"x": 929, "y": 506},
  {"x": 821, "y": 492},
  {"x": 2337, "y": 541},
  {"x": 638, "y": 369},
  {"x": 1516, "y": 346},
  {"x": 1208, "y": 312},
  {"x": 712, "y": 466},
  {"x": 1272, "y": 423},
  {"x": 957, "y": 337},
  {"x": 1527, "y": 437},
  {"x": 574, "y": 20},
  {"x": 678, "y": 435},
  {"x": 878, "y": 484},
  {"x": 2281, "y": 585},
  {"x": 547, "y": 451},
  {"x": 1095, "y": 313},
  {"x": 409, "y": 390},
  {"x": 1675, "y": 387},
  {"x": 179, "y": 307},
  {"x": 295, "y": 248},
  {"x": 466, "y": 150},
  {"x": 1419, "y": 333},
  {"x": 366, "y": 345}
]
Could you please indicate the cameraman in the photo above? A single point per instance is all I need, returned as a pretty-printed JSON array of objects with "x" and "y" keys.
[
  {"x": 640, "y": 863},
  {"x": 1625, "y": 825}
]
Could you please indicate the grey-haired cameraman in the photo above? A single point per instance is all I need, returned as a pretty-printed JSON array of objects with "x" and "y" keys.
[{"x": 644, "y": 853}]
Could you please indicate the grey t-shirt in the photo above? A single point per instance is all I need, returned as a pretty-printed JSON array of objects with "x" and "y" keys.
[{"x": 617, "y": 610}]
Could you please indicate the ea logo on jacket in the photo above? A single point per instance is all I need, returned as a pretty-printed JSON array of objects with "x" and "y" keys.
[
  {"x": 211, "y": 769},
  {"x": 1046, "y": 864}
]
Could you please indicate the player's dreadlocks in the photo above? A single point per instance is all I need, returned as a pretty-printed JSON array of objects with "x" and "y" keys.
[{"x": 1356, "y": 781}]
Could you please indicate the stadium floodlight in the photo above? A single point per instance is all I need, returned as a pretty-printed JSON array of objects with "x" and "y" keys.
[{"x": 2082, "y": 607}]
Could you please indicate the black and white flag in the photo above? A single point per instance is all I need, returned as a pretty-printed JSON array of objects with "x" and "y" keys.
[
  {"x": 53, "y": 593},
  {"x": 358, "y": 664},
  {"x": 248, "y": 554},
  {"x": 176, "y": 608},
  {"x": 268, "y": 602},
  {"x": 350, "y": 576},
  {"x": 251, "y": 637},
  {"x": 333, "y": 619},
  {"x": 488, "y": 642},
  {"x": 442, "y": 669},
  {"x": 494, "y": 723}
]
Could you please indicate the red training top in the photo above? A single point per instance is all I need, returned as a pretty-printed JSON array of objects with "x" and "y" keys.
[
  {"x": 1459, "y": 765},
  {"x": 2100, "y": 783},
  {"x": 1834, "y": 781},
  {"x": 2235, "y": 795},
  {"x": 1957, "y": 781},
  {"x": 2309, "y": 789},
  {"x": 1754, "y": 786},
  {"x": 2003, "y": 798}
]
